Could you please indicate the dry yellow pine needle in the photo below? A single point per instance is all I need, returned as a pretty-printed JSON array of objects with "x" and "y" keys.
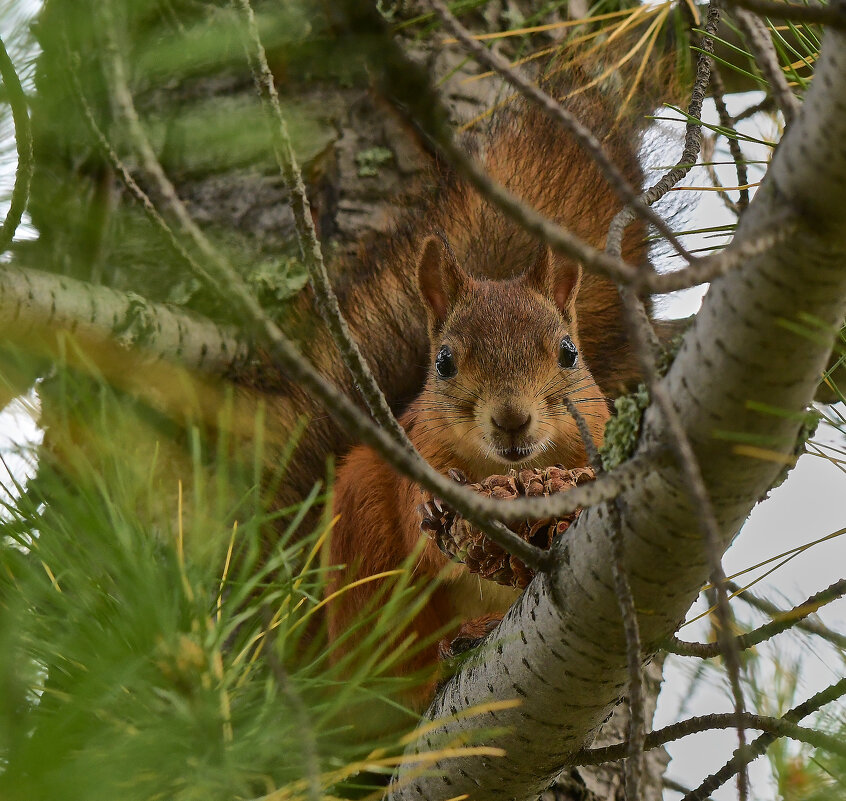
[{"x": 570, "y": 23}]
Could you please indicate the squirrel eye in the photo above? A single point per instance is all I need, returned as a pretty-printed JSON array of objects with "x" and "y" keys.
[
  {"x": 444, "y": 363},
  {"x": 567, "y": 353}
]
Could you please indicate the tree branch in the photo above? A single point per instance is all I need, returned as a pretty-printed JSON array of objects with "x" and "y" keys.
[
  {"x": 777, "y": 727},
  {"x": 23, "y": 142},
  {"x": 757, "y": 747},
  {"x": 811, "y": 626},
  {"x": 833, "y": 15},
  {"x": 786, "y": 620},
  {"x": 758, "y": 36},
  {"x": 571, "y": 666},
  {"x": 327, "y": 301}
]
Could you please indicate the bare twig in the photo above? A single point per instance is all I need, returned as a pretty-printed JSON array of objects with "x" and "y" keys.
[
  {"x": 775, "y": 727},
  {"x": 327, "y": 301},
  {"x": 758, "y": 37},
  {"x": 594, "y": 459},
  {"x": 717, "y": 264},
  {"x": 569, "y": 121},
  {"x": 692, "y": 137},
  {"x": 23, "y": 143},
  {"x": 810, "y": 626},
  {"x": 832, "y": 15},
  {"x": 784, "y": 621},
  {"x": 708, "y": 146},
  {"x": 718, "y": 92},
  {"x": 634, "y": 660},
  {"x": 308, "y": 739},
  {"x": 678, "y": 787},
  {"x": 766, "y": 105},
  {"x": 743, "y": 756},
  {"x": 129, "y": 181},
  {"x": 230, "y": 286}
]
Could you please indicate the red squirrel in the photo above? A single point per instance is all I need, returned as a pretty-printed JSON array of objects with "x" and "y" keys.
[{"x": 503, "y": 357}]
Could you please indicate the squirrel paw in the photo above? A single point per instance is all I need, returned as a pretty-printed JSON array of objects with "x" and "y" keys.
[{"x": 471, "y": 633}]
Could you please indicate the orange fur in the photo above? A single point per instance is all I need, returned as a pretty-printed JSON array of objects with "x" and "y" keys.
[{"x": 505, "y": 338}]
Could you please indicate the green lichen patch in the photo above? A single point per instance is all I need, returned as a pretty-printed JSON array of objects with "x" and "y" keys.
[
  {"x": 370, "y": 160},
  {"x": 623, "y": 429},
  {"x": 277, "y": 281}
]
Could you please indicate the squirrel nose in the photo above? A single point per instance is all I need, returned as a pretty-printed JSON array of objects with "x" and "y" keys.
[{"x": 510, "y": 420}]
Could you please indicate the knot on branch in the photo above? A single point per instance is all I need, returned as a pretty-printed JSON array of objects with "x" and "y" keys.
[
  {"x": 138, "y": 324},
  {"x": 464, "y": 543}
]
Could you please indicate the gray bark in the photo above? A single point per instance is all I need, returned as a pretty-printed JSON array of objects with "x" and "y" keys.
[
  {"x": 36, "y": 304},
  {"x": 561, "y": 648}
]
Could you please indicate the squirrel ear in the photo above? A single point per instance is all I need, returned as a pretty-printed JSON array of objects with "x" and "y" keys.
[
  {"x": 566, "y": 280},
  {"x": 439, "y": 277},
  {"x": 539, "y": 275},
  {"x": 556, "y": 278}
]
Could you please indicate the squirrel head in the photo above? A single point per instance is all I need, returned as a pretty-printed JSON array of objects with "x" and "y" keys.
[{"x": 504, "y": 356}]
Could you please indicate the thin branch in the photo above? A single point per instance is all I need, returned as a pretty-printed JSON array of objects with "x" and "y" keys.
[
  {"x": 327, "y": 301},
  {"x": 128, "y": 179},
  {"x": 226, "y": 281},
  {"x": 717, "y": 264},
  {"x": 744, "y": 756},
  {"x": 766, "y": 105},
  {"x": 810, "y": 626},
  {"x": 692, "y": 137},
  {"x": 717, "y": 93},
  {"x": 23, "y": 143},
  {"x": 833, "y": 15},
  {"x": 594, "y": 460},
  {"x": 637, "y": 715},
  {"x": 308, "y": 738},
  {"x": 677, "y": 787},
  {"x": 708, "y": 147},
  {"x": 569, "y": 121},
  {"x": 784, "y": 621},
  {"x": 774, "y": 727},
  {"x": 758, "y": 37}
]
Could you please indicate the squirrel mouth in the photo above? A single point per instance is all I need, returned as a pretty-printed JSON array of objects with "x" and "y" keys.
[{"x": 515, "y": 454}]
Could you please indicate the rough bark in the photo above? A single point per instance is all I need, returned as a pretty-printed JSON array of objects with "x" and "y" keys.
[
  {"x": 39, "y": 305},
  {"x": 561, "y": 648}
]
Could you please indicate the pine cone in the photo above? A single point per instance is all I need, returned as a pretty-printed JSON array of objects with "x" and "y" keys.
[{"x": 465, "y": 544}]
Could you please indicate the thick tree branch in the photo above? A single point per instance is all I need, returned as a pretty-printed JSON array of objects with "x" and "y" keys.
[
  {"x": 35, "y": 305},
  {"x": 561, "y": 648}
]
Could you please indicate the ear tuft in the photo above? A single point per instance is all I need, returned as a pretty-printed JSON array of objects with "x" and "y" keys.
[
  {"x": 539, "y": 275},
  {"x": 439, "y": 277},
  {"x": 556, "y": 278},
  {"x": 566, "y": 280}
]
